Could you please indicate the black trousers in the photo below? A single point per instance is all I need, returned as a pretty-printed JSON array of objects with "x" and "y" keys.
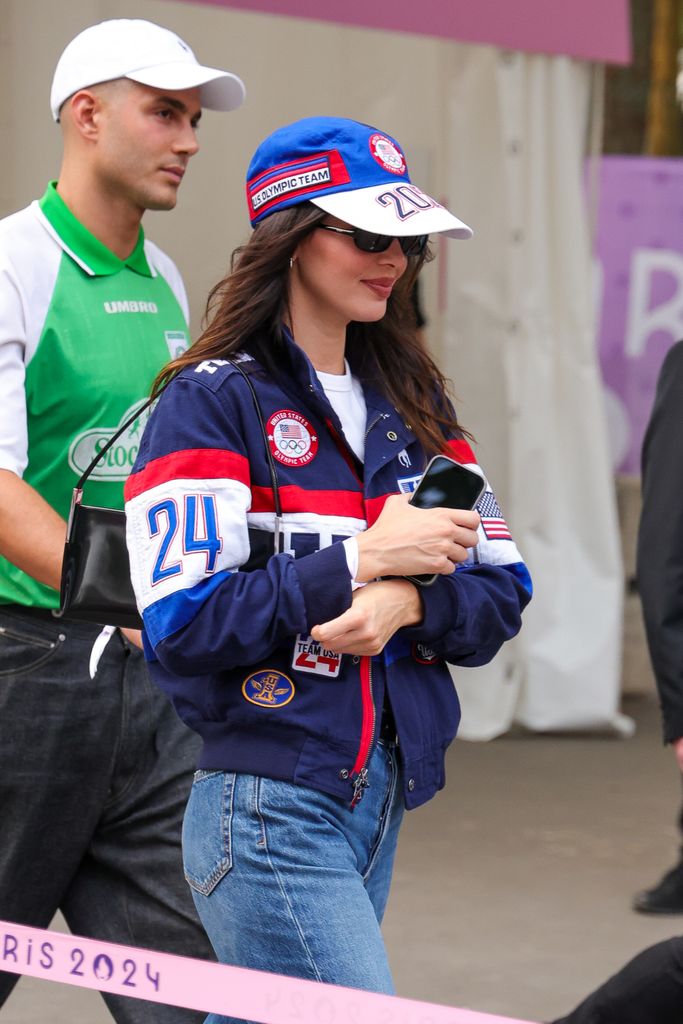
[{"x": 648, "y": 990}]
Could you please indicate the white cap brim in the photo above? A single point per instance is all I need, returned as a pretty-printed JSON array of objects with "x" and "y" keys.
[
  {"x": 220, "y": 90},
  {"x": 397, "y": 216}
]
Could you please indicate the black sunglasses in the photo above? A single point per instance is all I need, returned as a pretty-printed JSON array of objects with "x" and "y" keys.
[{"x": 368, "y": 241}]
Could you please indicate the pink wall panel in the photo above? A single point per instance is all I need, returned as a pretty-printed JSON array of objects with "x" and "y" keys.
[{"x": 590, "y": 29}]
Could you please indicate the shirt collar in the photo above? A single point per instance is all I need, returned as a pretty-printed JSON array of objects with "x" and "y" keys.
[{"x": 89, "y": 252}]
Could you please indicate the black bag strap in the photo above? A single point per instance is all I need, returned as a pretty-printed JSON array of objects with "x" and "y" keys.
[
  {"x": 103, "y": 451},
  {"x": 264, "y": 434},
  {"x": 78, "y": 489},
  {"x": 269, "y": 458}
]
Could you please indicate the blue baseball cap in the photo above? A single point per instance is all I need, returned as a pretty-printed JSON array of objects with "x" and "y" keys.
[{"x": 352, "y": 171}]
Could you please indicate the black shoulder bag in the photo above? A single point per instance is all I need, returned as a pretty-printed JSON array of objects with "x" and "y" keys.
[{"x": 96, "y": 584}]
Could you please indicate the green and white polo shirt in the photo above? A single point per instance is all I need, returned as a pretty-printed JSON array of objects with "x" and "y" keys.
[{"x": 82, "y": 336}]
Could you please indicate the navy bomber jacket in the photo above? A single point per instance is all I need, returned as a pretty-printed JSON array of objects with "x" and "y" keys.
[{"x": 232, "y": 648}]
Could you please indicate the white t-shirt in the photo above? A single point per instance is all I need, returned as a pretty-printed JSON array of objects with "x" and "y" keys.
[{"x": 345, "y": 395}]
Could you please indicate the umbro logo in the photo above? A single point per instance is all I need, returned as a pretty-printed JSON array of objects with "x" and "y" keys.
[{"x": 131, "y": 306}]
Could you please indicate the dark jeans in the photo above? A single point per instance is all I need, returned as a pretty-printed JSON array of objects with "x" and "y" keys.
[
  {"x": 94, "y": 778},
  {"x": 648, "y": 990}
]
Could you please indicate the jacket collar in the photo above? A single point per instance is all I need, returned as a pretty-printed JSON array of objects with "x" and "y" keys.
[{"x": 383, "y": 420}]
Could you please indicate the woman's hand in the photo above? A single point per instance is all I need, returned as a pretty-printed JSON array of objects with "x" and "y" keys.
[
  {"x": 407, "y": 540},
  {"x": 376, "y": 612}
]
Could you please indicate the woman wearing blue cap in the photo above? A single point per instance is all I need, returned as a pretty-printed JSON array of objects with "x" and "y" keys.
[{"x": 267, "y": 507}]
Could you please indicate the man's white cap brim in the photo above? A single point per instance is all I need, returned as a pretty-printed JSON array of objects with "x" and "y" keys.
[
  {"x": 398, "y": 211},
  {"x": 220, "y": 90}
]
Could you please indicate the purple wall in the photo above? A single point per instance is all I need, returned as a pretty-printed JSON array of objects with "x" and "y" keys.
[{"x": 640, "y": 288}]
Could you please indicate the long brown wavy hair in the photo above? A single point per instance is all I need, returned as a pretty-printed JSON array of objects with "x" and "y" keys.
[{"x": 247, "y": 308}]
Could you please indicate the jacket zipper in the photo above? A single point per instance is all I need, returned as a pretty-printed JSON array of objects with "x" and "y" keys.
[
  {"x": 359, "y": 773},
  {"x": 378, "y": 417}
]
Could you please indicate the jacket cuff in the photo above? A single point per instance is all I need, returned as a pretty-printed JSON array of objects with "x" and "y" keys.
[
  {"x": 439, "y": 611},
  {"x": 325, "y": 583}
]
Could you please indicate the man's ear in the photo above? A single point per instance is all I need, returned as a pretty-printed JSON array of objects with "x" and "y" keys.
[{"x": 84, "y": 112}]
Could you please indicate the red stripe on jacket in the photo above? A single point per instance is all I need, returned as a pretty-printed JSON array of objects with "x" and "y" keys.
[
  {"x": 298, "y": 499},
  {"x": 190, "y": 464}
]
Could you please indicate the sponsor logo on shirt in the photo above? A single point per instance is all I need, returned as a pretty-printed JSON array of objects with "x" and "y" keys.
[
  {"x": 118, "y": 462},
  {"x": 177, "y": 342},
  {"x": 130, "y": 306}
]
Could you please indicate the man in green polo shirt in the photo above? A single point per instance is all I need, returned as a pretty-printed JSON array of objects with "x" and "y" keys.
[{"x": 95, "y": 766}]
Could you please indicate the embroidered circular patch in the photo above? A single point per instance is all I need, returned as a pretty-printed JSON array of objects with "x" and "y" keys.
[
  {"x": 425, "y": 655},
  {"x": 387, "y": 154},
  {"x": 291, "y": 438},
  {"x": 268, "y": 688}
]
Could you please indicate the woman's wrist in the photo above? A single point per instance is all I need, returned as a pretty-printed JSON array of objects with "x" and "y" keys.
[
  {"x": 352, "y": 558},
  {"x": 412, "y": 610},
  {"x": 369, "y": 565}
]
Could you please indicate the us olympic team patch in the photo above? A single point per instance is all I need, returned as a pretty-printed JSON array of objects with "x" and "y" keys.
[
  {"x": 387, "y": 154},
  {"x": 268, "y": 688},
  {"x": 291, "y": 438}
]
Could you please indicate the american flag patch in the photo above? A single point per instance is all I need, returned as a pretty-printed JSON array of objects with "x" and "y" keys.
[
  {"x": 492, "y": 521},
  {"x": 291, "y": 430}
]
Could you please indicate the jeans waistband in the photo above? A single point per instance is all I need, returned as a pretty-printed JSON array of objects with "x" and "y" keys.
[{"x": 74, "y": 626}]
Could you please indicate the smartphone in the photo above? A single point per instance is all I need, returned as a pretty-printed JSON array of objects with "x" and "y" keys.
[{"x": 446, "y": 483}]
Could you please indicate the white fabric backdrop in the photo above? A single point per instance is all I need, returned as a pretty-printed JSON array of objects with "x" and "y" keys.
[{"x": 519, "y": 335}]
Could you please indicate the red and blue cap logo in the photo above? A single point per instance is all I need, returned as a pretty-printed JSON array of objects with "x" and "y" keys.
[{"x": 320, "y": 156}]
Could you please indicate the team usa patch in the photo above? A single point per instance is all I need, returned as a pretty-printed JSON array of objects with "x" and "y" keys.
[
  {"x": 387, "y": 154},
  {"x": 492, "y": 522},
  {"x": 424, "y": 655},
  {"x": 316, "y": 173},
  {"x": 407, "y": 484},
  {"x": 310, "y": 656},
  {"x": 291, "y": 438},
  {"x": 268, "y": 688}
]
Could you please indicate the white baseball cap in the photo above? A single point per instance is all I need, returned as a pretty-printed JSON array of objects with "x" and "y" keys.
[{"x": 145, "y": 53}]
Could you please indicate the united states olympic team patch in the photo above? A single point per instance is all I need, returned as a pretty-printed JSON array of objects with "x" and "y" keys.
[
  {"x": 268, "y": 688},
  {"x": 291, "y": 437},
  {"x": 387, "y": 154}
]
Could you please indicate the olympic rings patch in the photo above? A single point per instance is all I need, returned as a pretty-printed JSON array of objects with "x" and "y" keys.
[
  {"x": 387, "y": 154},
  {"x": 291, "y": 438}
]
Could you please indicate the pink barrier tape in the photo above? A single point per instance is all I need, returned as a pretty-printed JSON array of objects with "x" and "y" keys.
[{"x": 204, "y": 986}]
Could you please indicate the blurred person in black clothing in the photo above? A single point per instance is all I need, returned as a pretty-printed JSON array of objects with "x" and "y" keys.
[
  {"x": 647, "y": 990},
  {"x": 660, "y": 583}
]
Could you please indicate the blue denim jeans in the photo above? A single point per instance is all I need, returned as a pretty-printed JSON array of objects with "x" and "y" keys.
[
  {"x": 94, "y": 777},
  {"x": 290, "y": 880}
]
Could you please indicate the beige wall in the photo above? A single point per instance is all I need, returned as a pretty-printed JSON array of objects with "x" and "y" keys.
[{"x": 292, "y": 68}]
